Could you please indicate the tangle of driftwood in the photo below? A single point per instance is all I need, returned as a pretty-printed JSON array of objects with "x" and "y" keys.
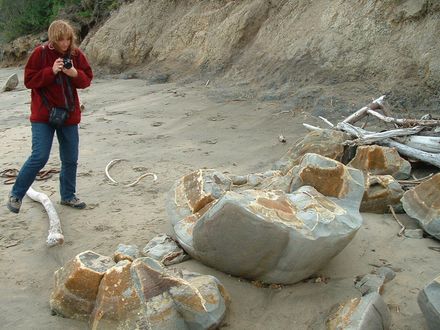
[{"x": 404, "y": 137}]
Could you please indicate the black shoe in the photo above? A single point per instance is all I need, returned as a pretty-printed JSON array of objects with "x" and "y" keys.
[
  {"x": 14, "y": 204},
  {"x": 75, "y": 202}
]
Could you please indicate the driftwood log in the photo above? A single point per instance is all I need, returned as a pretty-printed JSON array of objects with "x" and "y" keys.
[{"x": 55, "y": 236}]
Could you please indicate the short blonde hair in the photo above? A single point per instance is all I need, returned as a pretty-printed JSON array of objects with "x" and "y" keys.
[{"x": 60, "y": 29}]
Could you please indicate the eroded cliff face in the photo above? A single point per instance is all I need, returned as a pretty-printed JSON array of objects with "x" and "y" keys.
[{"x": 280, "y": 49}]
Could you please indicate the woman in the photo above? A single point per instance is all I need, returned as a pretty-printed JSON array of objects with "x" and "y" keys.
[{"x": 54, "y": 82}]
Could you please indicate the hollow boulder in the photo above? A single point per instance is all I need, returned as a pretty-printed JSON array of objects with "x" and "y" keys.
[{"x": 275, "y": 236}]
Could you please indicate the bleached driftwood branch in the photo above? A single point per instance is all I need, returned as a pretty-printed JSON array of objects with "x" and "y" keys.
[
  {"x": 430, "y": 158},
  {"x": 328, "y": 122},
  {"x": 55, "y": 236},
  {"x": 311, "y": 127},
  {"x": 368, "y": 137},
  {"x": 361, "y": 113},
  {"x": 404, "y": 121},
  {"x": 422, "y": 142}
]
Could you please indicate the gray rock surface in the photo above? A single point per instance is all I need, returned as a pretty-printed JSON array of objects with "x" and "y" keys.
[
  {"x": 422, "y": 203},
  {"x": 370, "y": 283},
  {"x": 429, "y": 303},
  {"x": 11, "y": 83},
  {"x": 126, "y": 252},
  {"x": 165, "y": 250},
  {"x": 367, "y": 313}
]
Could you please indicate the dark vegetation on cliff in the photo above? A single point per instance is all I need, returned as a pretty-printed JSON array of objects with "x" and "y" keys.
[{"x": 22, "y": 17}]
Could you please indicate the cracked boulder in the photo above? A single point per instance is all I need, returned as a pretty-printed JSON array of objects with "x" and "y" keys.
[
  {"x": 380, "y": 192},
  {"x": 326, "y": 142},
  {"x": 365, "y": 313},
  {"x": 423, "y": 204},
  {"x": 274, "y": 236},
  {"x": 429, "y": 303},
  {"x": 140, "y": 294},
  {"x": 331, "y": 178},
  {"x": 379, "y": 160},
  {"x": 194, "y": 191},
  {"x": 77, "y": 283}
]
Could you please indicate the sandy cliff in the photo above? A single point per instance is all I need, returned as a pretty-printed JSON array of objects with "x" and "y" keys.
[{"x": 304, "y": 52}]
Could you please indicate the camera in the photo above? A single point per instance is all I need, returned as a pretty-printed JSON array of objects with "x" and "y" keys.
[{"x": 67, "y": 62}]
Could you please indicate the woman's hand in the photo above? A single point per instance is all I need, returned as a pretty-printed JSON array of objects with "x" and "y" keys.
[
  {"x": 71, "y": 72},
  {"x": 57, "y": 65}
]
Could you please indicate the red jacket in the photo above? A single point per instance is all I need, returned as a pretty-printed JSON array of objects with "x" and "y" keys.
[{"x": 38, "y": 75}]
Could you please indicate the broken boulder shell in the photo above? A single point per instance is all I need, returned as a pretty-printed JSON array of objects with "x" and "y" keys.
[
  {"x": 77, "y": 283},
  {"x": 326, "y": 142},
  {"x": 194, "y": 191},
  {"x": 331, "y": 178},
  {"x": 139, "y": 294},
  {"x": 271, "y": 235},
  {"x": 380, "y": 192},
  {"x": 423, "y": 204},
  {"x": 379, "y": 160}
]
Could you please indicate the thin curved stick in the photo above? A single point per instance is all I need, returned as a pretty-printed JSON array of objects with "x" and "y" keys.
[
  {"x": 403, "y": 228},
  {"x": 140, "y": 178},
  {"x": 416, "y": 181},
  {"x": 109, "y": 165}
]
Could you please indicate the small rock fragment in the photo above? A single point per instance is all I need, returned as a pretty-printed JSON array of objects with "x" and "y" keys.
[
  {"x": 387, "y": 273},
  {"x": 126, "y": 252},
  {"x": 370, "y": 283},
  {"x": 413, "y": 233},
  {"x": 165, "y": 250},
  {"x": 366, "y": 313},
  {"x": 11, "y": 83}
]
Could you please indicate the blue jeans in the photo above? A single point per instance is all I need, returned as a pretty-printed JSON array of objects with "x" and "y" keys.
[{"x": 42, "y": 138}]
